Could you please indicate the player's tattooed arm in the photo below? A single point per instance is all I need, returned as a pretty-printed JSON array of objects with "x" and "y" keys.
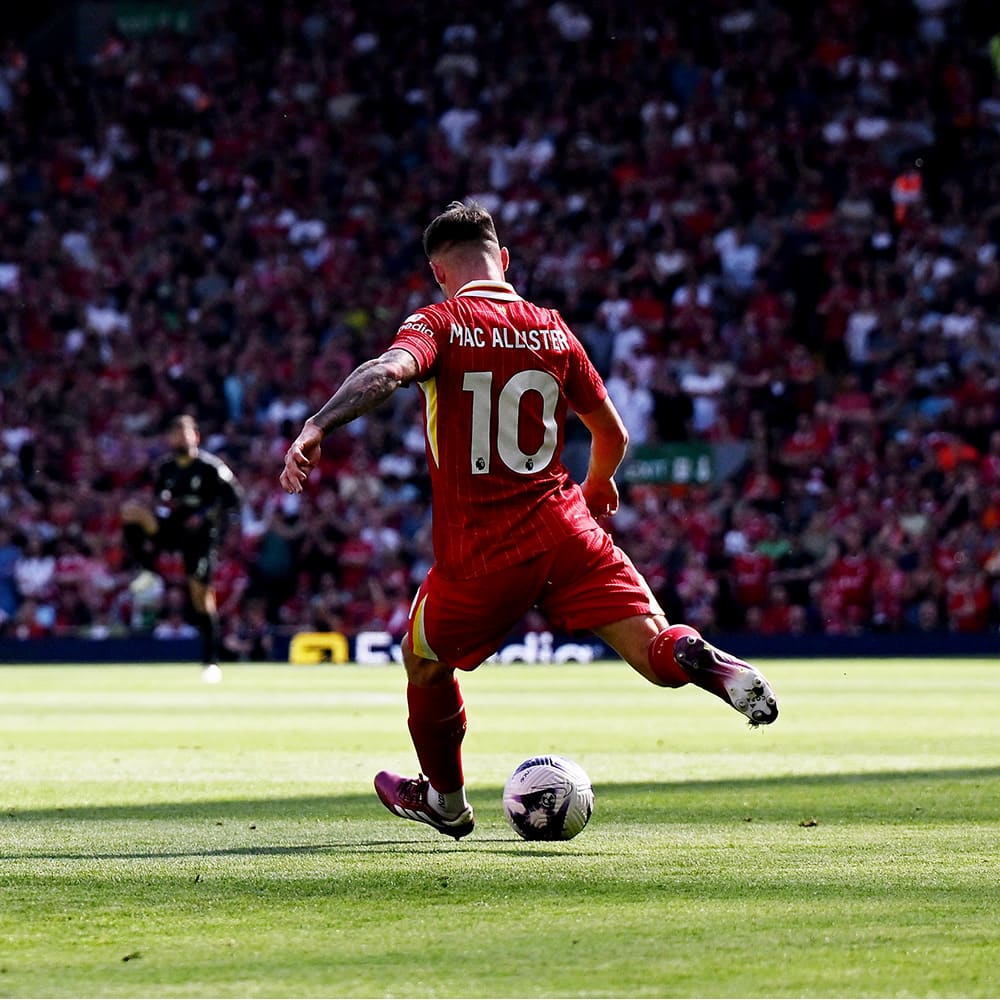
[{"x": 368, "y": 385}]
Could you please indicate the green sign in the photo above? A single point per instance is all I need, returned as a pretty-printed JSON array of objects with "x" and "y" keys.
[
  {"x": 144, "y": 18},
  {"x": 676, "y": 464}
]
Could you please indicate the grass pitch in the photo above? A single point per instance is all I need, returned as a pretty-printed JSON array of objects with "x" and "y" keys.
[{"x": 159, "y": 837}]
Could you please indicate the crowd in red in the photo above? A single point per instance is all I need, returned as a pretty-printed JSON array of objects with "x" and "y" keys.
[{"x": 774, "y": 225}]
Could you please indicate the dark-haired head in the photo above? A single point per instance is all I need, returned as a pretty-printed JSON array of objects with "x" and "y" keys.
[
  {"x": 182, "y": 420},
  {"x": 183, "y": 436},
  {"x": 461, "y": 224}
]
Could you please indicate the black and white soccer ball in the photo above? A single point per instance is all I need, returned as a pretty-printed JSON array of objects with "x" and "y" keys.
[{"x": 548, "y": 798}]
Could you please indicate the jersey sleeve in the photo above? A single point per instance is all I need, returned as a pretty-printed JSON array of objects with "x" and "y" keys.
[
  {"x": 418, "y": 335},
  {"x": 585, "y": 388}
]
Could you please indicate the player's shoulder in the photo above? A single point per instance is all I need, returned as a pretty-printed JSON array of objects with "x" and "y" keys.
[
  {"x": 216, "y": 464},
  {"x": 427, "y": 318},
  {"x": 550, "y": 315}
]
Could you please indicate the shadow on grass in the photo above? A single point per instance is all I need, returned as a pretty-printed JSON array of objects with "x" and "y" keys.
[
  {"x": 509, "y": 846},
  {"x": 944, "y": 795}
]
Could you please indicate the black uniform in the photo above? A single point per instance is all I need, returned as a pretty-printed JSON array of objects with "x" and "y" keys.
[{"x": 195, "y": 503}]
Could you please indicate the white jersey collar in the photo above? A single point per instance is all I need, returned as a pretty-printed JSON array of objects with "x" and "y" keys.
[{"x": 483, "y": 288}]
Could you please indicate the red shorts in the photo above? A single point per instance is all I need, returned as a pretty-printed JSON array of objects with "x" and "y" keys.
[{"x": 583, "y": 583}]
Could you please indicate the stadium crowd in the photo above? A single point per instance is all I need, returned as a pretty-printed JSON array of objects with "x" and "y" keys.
[{"x": 774, "y": 224}]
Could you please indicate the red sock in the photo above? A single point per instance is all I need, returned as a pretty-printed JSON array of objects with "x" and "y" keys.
[
  {"x": 437, "y": 728},
  {"x": 661, "y": 656}
]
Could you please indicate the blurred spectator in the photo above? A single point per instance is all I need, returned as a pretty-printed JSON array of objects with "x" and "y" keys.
[
  {"x": 967, "y": 598},
  {"x": 174, "y": 626},
  {"x": 10, "y": 554},
  {"x": 35, "y": 570},
  {"x": 673, "y": 410},
  {"x": 248, "y": 634},
  {"x": 704, "y": 384},
  {"x": 633, "y": 400}
]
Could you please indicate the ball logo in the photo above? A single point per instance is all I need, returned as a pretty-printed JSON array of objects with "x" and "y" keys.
[{"x": 548, "y": 798}]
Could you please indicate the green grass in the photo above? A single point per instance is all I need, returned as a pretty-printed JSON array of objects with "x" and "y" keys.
[{"x": 159, "y": 837}]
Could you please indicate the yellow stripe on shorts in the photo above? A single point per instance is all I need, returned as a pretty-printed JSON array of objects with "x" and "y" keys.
[{"x": 420, "y": 644}]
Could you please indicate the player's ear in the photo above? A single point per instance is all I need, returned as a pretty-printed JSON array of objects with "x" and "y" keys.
[
  {"x": 504, "y": 258},
  {"x": 438, "y": 271}
]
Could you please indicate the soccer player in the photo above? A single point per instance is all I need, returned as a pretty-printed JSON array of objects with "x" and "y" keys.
[
  {"x": 511, "y": 531},
  {"x": 196, "y": 498}
]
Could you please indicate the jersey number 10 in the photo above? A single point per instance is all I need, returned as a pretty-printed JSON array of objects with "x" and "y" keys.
[{"x": 508, "y": 404}]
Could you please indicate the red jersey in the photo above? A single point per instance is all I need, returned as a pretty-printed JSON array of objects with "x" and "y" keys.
[
  {"x": 750, "y": 573},
  {"x": 498, "y": 375}
]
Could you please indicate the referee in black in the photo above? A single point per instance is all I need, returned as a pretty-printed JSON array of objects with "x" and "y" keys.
[{"x": 197, "y": 498}]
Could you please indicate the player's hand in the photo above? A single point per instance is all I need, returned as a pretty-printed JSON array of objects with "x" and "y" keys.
[
  {"x": 301, "y": 458},
  {"x": 601, "y": 496}
]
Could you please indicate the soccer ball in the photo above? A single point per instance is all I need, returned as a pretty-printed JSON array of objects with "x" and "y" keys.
[{"x": 548, "y": 798}]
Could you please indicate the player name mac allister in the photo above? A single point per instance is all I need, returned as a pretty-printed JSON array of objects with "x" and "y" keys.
[{"x": 504, "y": 336}]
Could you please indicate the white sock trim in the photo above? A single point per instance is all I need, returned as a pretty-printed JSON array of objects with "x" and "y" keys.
[{"x": 448, "y": 804}]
